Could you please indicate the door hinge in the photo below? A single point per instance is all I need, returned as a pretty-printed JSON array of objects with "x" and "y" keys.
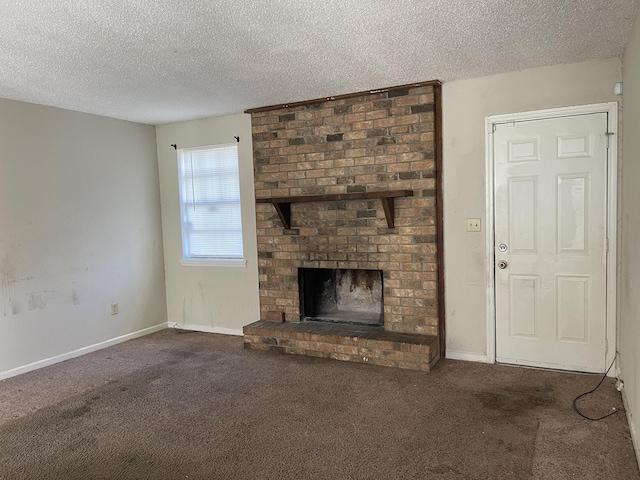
[
  {"x": 607, "y": 135},
  {"x": 494, "y": 126},
  {"x": 606, "y": 242}
]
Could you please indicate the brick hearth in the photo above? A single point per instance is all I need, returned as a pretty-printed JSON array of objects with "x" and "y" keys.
[{"x": 352, "y": 343}]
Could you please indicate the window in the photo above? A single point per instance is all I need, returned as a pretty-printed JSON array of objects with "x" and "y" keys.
[{"x": 210, "y": 205}]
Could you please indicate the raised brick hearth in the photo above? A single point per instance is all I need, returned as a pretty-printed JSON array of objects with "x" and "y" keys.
[
  {"x": 352, "y": 343},
  {"x": 374, "y": 142}
]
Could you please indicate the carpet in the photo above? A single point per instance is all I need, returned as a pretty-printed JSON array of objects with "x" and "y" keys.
[{"x": 199, "y": 406}]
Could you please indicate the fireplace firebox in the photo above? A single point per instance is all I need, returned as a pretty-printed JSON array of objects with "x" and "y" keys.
[{"x": 341, "y": 295}]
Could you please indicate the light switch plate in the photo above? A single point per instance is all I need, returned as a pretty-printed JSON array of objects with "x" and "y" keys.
[{"x": 473, "y": 225}]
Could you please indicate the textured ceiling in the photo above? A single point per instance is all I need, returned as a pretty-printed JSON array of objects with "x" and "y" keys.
[{"x": 156, "y": 62}]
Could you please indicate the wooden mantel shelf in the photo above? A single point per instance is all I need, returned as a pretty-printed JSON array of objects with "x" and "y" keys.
[{"x": 283, "y": 204}]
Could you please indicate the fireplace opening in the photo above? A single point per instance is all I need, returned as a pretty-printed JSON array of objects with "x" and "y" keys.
[{"x": 341, "y": 295}]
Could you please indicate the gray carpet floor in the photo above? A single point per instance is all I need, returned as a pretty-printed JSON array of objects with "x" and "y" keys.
[{"x": 199, "y": 406}]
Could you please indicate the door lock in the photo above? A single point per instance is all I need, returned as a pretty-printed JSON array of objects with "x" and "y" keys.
[
  {"x": 502, "y": 264},
  {"x": 502, "y": 247}
]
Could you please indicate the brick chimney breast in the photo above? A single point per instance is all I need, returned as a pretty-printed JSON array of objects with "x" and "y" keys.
[{"x": 366, "y": 143}]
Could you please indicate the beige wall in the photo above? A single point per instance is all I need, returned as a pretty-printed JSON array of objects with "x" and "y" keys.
[
  {"x": 629, "y": 326},
  {"x": 79, "y": 229},
  {"x": 208, "y": 298},
  {"x": 466, "y": 103}
]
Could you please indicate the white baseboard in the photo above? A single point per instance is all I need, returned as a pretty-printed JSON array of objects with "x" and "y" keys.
[
  {"x": 468, "y": 357},
  {"x": 81, "y": 351},
  {"x": 632, "y": 427},
  {"x": 206, "y": 328}
]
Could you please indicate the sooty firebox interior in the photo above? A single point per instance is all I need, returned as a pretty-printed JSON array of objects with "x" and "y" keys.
[{"x": 341, "y": 295}]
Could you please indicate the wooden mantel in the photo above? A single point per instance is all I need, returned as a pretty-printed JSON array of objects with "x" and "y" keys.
[{"x": 283, "y": 204}]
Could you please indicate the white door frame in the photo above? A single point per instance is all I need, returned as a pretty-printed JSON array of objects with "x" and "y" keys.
[{"x": 611, "y": 109}]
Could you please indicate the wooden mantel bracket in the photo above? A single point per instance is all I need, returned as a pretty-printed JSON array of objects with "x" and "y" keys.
[
  {"x": 389, "y": 212},
  {"x": 283, "y": 204},
  {"x": 284, "y": 212}
]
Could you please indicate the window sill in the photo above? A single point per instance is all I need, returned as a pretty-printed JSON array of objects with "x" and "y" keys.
[{"x": 214, "y": 263}]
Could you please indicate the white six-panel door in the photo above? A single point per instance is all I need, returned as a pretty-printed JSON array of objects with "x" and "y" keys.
[{"x": 550, "y": 215}]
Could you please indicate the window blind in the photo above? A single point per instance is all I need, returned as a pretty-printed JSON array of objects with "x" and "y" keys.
[{"x": 210, "y": 203}]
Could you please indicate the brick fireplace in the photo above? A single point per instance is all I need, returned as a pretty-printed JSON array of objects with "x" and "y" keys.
[{"x": 349, "y": 184}]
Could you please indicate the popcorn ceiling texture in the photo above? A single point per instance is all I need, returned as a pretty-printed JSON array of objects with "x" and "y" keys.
[{"x": 159, "y": 62}]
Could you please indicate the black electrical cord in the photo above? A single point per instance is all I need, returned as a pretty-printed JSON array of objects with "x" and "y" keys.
[{"x": 575, "y": 401}]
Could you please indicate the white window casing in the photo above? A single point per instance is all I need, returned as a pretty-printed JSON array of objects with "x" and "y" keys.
[{"x": 210, "y": 206}]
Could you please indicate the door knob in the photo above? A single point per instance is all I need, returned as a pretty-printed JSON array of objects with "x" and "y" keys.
[{"x": 502, "y": 264}]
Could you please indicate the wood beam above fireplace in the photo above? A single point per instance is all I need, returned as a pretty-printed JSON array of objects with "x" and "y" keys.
[{"x": 283, "y": 204}]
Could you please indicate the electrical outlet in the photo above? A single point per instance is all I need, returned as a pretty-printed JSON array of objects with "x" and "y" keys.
[
  {"x": 114, "y": 309},
  {"x": 473, "y": 225}
]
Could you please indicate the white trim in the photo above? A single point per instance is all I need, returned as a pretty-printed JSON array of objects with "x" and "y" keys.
[
  {"x": 214, "y": 263},
  {"x": 206, "y": 329},
  {"x": 611, "y": 109},
  {"x": 632, "y": 426},
  {"x": 612, "y": 236},
  {"x": 553, "y": 113},
  {"x": 81, "y": 351},
  {"x": 489, "y": 222},
  {"x": 467, "y": 357}
]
